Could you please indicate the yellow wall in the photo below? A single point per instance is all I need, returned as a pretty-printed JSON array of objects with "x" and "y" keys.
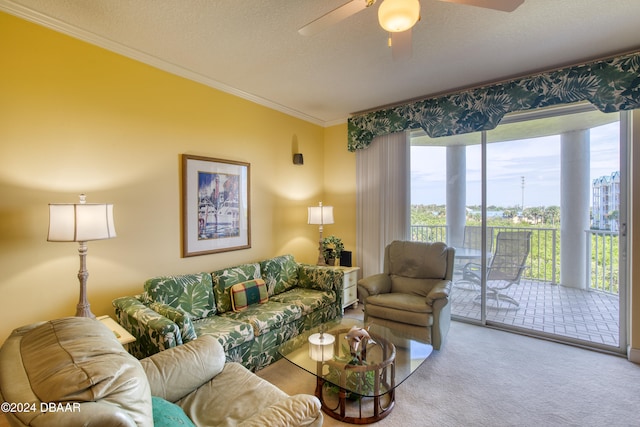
[
  {"x": 76, "y": 118},
  {"x": 340, "y": 186}
]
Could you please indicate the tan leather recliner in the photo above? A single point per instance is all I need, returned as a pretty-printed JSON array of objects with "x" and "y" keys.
[
  {"x": 412, "y": 292},
  {"x": 77, "y": 367}
]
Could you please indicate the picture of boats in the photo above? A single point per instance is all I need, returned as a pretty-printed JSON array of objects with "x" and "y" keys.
[{"x": 218, "y": 206}]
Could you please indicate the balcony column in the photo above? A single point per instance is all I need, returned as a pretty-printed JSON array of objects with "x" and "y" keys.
[
  {"x": 456, "y": 193},
  {"x": 574, "y": 207}
]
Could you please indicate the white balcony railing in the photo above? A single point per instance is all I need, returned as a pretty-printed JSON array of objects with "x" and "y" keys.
[
  {"x": 544, "y": 260},
  {"x": 602, "y": 251}
]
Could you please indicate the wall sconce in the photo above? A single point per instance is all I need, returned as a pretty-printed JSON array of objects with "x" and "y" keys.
[
  {"x": 320, "y": 215},
  {"x": 81, "y": 223},
  {"x": 295, "y": 150}
]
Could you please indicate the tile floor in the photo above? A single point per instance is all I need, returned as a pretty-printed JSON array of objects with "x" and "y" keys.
[{"x": 568, "y": 312}]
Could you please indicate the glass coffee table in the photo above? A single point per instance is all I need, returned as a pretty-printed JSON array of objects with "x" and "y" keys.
[{"x": 353, "y": 391}]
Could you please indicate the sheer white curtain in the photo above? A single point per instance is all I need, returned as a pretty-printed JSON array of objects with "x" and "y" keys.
[{"x": 382, "y": 198}]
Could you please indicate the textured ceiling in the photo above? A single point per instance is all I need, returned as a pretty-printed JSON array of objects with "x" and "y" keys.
[{"x": 253, "y": 49}]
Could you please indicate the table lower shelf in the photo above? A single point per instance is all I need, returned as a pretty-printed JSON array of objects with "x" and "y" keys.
[{"x": 337, "y": 403}]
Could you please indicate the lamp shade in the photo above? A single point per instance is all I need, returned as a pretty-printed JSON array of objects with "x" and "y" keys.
[
  {"x": 398, "y": 15},
  {"x": 320, "y": 215},
  {"x": 321, "y": 347},
  {"x": 80, "y": 222}
]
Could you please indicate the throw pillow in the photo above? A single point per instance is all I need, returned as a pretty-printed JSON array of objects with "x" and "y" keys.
[
  {"x": 167, "y": 414},
  {"x": 224, "y": 279},
  {"x": 248, "y": 293}
]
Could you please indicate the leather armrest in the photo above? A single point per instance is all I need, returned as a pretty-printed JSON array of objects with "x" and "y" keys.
[
  {"x": 374, "y": 285},
  {"x": 297, "y": 410},
  {"x": 176, "y": 372},
  {"x": 439, "y": 291}
]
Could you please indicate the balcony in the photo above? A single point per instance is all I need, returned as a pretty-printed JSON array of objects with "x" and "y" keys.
[{"x": 590, "y": 313}]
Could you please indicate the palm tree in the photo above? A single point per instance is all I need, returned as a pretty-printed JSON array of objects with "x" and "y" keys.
[{"x": 551, "y": 214}]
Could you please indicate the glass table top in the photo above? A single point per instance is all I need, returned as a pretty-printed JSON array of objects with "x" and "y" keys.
[{"x": 390, "y": 359}]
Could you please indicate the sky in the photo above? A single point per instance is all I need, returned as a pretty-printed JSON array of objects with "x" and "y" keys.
[{"x": 537, "y": 160}]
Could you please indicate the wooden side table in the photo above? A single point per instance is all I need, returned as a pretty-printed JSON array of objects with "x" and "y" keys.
[
  {"x": 350, "y": 288},
  {"x": 121, "y": 333}
]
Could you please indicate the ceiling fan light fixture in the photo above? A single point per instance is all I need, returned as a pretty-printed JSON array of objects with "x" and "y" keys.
[{"x": 398, "y": 15}]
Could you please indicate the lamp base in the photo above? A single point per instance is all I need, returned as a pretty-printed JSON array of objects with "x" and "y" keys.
[
  {"x": 84, "y": 310},
  {"x": 321, "y": 260}
]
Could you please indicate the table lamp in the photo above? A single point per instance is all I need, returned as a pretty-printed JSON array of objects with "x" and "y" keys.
[
  {"x": 320, "y": 215},
  {"x": 81, "y": 222},
  {"x": 321, "y": 347}
]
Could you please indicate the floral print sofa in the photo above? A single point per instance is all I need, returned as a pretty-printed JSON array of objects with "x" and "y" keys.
[{"x": 173, "y": 310}]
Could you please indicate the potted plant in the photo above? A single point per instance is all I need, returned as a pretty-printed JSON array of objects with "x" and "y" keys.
[
  {"x": 362, "y": 381},
  {"x": 332, "y": 248}
]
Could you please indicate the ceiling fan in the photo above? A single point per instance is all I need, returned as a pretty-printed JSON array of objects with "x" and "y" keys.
[{"x": 397, "y": 17}]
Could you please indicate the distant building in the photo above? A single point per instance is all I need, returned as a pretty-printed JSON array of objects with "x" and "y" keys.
[{"x": 606, "y": 202}]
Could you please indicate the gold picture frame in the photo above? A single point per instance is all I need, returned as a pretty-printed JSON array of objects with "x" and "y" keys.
[{"x": 216, "y": 214}]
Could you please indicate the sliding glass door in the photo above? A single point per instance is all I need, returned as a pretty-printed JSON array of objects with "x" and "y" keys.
[{"x": 534, "y": 209}]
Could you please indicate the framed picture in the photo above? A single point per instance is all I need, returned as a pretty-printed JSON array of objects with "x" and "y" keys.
[{"x": 215, "y": 206}]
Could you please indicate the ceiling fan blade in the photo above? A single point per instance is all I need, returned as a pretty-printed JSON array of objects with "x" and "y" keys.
[
  {"x": 503, "y": 5},
  {"x": 401, "y": 44},
  {"x": 335, "y": 16}
]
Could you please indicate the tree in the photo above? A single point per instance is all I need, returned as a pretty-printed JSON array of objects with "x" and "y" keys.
[
  {"x": 551, "y": 215},
  {"x": 533, "y": 214}
]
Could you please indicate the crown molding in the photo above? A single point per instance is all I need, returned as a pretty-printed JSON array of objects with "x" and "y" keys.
[{"x": 110, "y": 45}]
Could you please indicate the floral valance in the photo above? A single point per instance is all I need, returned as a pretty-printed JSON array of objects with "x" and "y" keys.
[{"x": 611, "y": 85}]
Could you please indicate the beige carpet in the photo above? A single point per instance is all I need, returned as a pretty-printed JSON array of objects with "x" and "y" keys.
[{"x": 484, "y": 377}]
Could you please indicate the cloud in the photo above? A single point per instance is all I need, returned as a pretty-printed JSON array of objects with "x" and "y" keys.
[{"x": 536, "y": 159}]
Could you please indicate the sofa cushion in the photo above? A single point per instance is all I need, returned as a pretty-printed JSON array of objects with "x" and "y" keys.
[
  {"x": 402, "y": 308},
  {"x": 224, "y": 279},
  {"x": 280, "y": 273},
  {"x": 417, "y": 259},
  {"x": 267, "y": 317},
  {"x": 191, "y": 293},
  {"x": 408, "y": 285},
  {"x": 248, "y": 293},
  {"x": 309, "y": 300},
  {"x": 229, "y": 332},
  {"x": 167, "y": 414}
]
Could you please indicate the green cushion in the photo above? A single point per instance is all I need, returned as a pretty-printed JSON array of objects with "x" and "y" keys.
[
  {"x": 280, "y": 273},
  {"x": 167, "y": 414},
  {"x": 230, "y": 333},
  {"x": 309, "y": 300},
  {"x": 224, "y": 279},
  {"x": 191, "y": 293},
  {"x": 248, "y": 293},
  {"x": 267, "y": 317}
]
